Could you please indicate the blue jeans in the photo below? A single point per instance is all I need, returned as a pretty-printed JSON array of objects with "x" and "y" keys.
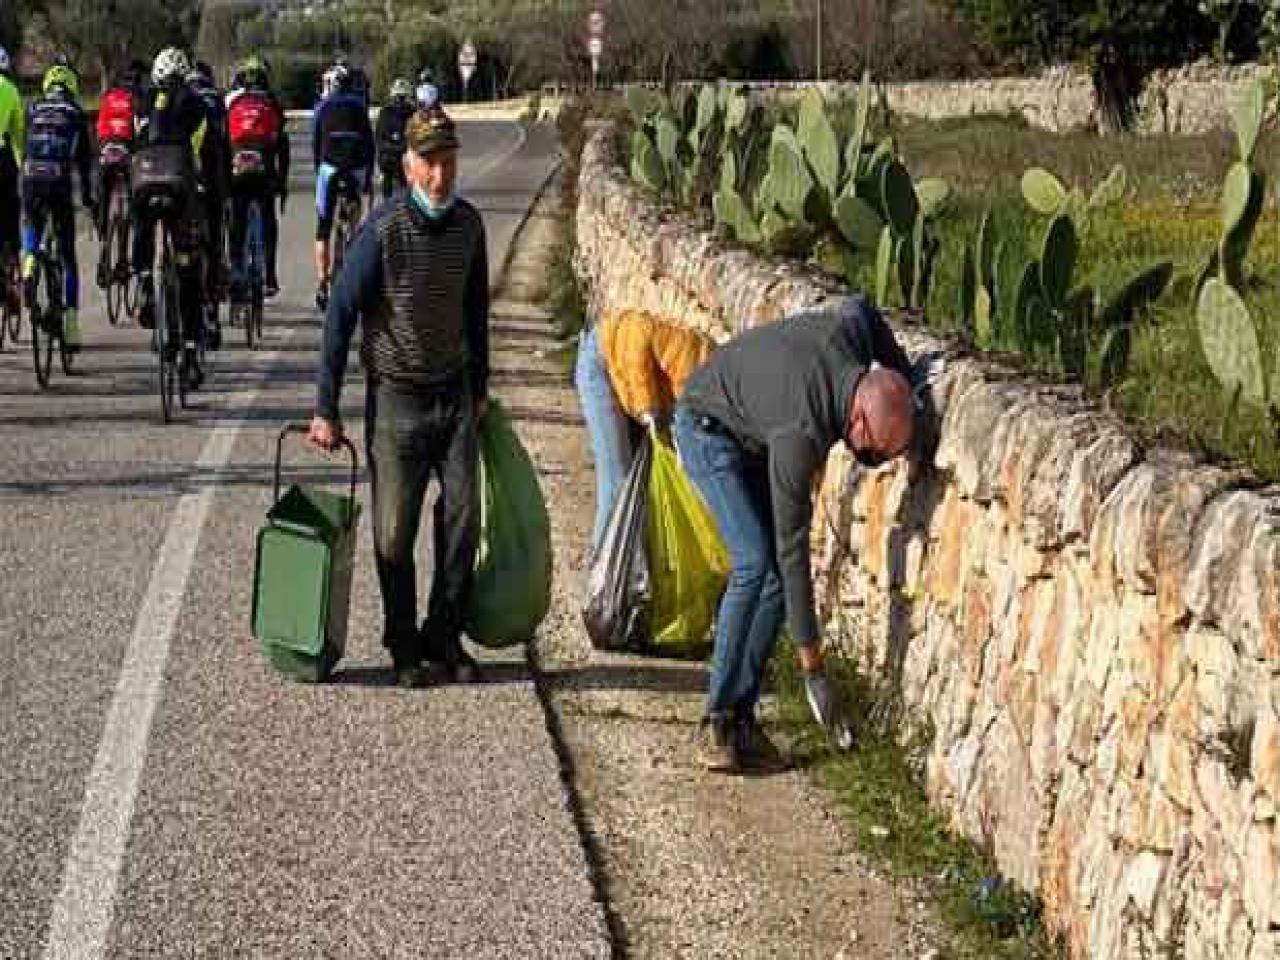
[
  {"x": 607, "y": 425},
  {"x": 735, "y": 486}
]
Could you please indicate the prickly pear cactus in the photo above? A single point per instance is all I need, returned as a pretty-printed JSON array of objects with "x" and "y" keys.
[
  {"x": 933, "y": 193},
  {"x": 1058, "y": 260},
  {"x": 1139, "y": 293},
  {"x": 818, "y": 141},
  {"x": 1043, "y": 192},
  {"x": 789, "y": 177},
  {"x": 647, "y": 168},
  {"x": 898, "y": 198},
  {"x": 858, "y": 222},
  {"x": 1248, "y": 115},
  {"x": 884, "y": 266},
  {"x": 1230, "y": 341},
  {"x": 853, "y": 148}
]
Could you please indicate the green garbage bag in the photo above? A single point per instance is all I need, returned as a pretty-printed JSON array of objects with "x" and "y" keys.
[
  {"x": 688, "y": 563},
  {"x": 511, "y": 592}
]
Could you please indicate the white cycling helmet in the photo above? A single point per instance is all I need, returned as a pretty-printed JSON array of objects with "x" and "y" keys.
[
  {"x": 170, "y": 64},
  {"x": 402, "y": 89},
  {"x": 4, "y": 60},
  {"x": 428, "y": 95}
]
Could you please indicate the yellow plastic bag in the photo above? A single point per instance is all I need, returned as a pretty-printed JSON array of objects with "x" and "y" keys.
[{"x": 688, "y": 563}]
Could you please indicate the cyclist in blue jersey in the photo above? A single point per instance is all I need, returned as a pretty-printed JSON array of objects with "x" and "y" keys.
[{"x": 343, "y": 150}]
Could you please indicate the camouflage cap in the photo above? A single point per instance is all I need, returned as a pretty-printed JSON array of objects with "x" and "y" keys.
[{"x": 431, "y": 130}]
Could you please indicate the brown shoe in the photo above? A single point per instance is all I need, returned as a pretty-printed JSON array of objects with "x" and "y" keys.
[
  {"x": 758, "y": 753},
  {"x": 718, "y": 745}
]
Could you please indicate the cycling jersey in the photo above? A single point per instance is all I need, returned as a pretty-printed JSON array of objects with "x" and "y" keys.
[
  {"x": 341, "y": 135},
  {"x": 116, "y": 113},
  {"x": 57, "y": 145},
  {"x": 12, "y": 119}
]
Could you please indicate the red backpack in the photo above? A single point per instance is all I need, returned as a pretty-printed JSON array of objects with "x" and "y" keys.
[
  {"x": 115, "y": 116},
  {"x": 253, "y": 120}
]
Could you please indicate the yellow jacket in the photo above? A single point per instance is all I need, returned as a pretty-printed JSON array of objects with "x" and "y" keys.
[{"x": 649, "y": 359}]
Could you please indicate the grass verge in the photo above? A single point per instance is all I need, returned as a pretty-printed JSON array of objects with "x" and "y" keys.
[{"x": 879, "y": 790}]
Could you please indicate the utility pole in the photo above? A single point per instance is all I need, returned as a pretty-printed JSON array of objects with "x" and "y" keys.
[{"x": 819, "y": 41}]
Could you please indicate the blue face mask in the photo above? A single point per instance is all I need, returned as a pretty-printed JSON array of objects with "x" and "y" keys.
[{"x": 432, "y": 211}]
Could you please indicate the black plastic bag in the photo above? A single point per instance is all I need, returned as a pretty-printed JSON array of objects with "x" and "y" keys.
[{"x": 619, "y": 589}]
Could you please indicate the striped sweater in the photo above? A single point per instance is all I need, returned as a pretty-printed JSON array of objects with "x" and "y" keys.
[{"x": 421, "y": 290}]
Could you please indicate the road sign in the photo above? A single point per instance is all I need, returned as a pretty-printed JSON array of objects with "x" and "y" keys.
[
  {"x": 467, "y": 60},
  {"x": 595, "y": 47}
]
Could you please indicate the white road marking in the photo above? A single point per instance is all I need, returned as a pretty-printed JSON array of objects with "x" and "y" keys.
[{"x": 82, "y": 914}]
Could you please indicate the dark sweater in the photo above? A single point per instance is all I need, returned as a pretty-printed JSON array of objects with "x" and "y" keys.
[
  {"x": 421, "y": 290},
  {"x": 783, "y": 390}
]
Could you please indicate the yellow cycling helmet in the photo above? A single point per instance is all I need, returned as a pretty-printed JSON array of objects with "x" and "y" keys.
[{"x": 61, "y": 76}]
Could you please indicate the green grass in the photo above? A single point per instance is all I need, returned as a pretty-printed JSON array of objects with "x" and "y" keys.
[
  {"x": 878, "y": 787},
  {"x": 1170, "y": 212}
]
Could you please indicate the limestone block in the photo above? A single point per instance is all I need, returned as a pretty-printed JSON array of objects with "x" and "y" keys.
[
  {"x": 1222, "y": 537},
  {"x": 1096, "y": 467}
]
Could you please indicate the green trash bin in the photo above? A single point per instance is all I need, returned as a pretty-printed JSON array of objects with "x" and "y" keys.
[{"x": 302, "y": 574}]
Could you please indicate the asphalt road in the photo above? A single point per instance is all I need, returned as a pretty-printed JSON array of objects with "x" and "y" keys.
[{"x": 163, "y": 793}]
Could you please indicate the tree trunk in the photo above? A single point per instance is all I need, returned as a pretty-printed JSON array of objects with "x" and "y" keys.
[{"x": 1116, "y": 84}]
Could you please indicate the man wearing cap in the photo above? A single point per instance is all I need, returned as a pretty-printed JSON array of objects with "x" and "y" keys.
[{"x": 417, "y": 278}]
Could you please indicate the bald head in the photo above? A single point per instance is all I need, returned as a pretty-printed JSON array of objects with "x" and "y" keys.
[{"x": 881, "y": 417}]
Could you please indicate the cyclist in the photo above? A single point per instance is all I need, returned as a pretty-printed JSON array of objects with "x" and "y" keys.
[
  {"x": 343, "y": 150},
  {"x": 215, "y": 187},
  {"x": 117, "y": 128},
  {"x": 172, "y": 153},
  {"x": 12, "y": 147},
  {"x": 57, "y": 141},
  {"x": 390, "y": 135},
  {"x": 260, "y": 167},
  {"x": 427, "y": 93}
]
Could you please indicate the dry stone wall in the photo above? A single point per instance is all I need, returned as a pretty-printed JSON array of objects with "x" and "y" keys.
[
  {"x": 1090, "y": 629},
  {"x": 1191, "y": 99}
]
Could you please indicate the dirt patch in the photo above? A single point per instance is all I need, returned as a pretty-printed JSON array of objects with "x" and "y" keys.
[{"x": 691, "y": 864}]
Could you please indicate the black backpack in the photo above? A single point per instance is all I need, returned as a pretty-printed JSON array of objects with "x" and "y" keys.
[{"x": 391, "y": 126}]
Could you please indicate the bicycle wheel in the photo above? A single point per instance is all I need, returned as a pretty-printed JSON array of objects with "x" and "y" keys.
[
  {"x": 166, "y": 307},
  {"x": 41, "y": 339},
  {"x": 54, "y": 274},
  {"x": 6, "y": 295},
  {"x": 114, "y": 245},
  {"x": 255, "y": 265},
  {"x": 12, "y": 307}
]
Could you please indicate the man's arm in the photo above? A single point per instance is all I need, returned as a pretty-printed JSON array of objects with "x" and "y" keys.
[
  {"x": 317, "y": 124},
  {"x": 873, "y": 338},
  {"x": 793, "y": 462},
  {"x": 476, "y": 315},
  {"x": 359, "y": 284},
  {"x": 85, "y": 155}
]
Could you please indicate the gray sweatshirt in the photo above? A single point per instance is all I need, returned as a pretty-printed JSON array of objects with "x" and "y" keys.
[{"x": 783, "y": 390}]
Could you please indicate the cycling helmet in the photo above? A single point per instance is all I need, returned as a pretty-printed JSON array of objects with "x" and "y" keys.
[
  {"x": 171, "y": 65},
  {"x": 401, "y": 89},
  {"x": 428, "y": 96},
  {"x": 5, "y": 66},
  {"x": 252, "y": 72},
  {"x": 61, "y": 77},
  {"x": 340, "y": 76}
]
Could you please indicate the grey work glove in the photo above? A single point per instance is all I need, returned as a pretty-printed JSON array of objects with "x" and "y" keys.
[{"x": 827, "y": 712}]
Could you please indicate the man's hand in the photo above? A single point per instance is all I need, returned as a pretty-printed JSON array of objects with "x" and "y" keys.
[{"x": 325, "y": 434}]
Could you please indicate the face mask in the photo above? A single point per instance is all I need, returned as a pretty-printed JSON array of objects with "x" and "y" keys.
[{"x": 430, "y": 210}]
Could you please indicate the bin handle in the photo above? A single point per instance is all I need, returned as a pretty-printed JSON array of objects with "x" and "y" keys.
[{"x": 345, "y": 442}]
